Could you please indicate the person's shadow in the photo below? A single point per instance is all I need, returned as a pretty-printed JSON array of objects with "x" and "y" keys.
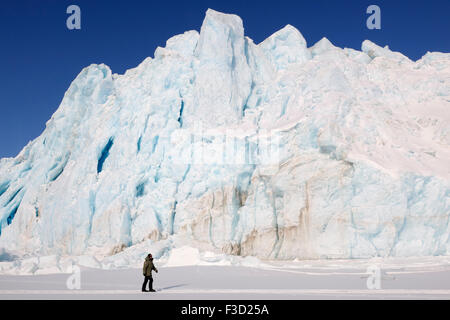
[{"x": 174, "y": 286}]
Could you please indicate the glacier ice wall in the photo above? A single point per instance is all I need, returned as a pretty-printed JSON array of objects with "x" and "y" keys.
[{"x": 272, "y": 149}]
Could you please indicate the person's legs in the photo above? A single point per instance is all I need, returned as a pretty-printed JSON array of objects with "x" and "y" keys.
[
  {"x": 150, "y": 285},
  {"x": 145, "y": 283}
]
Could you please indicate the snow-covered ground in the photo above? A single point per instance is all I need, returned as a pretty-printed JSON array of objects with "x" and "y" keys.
[{"x": 406, "y": 278}]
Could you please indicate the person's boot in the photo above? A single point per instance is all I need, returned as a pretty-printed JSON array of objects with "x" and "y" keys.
[
  {"x": 143, "y": 290},
  {"x": 151, "y": 290}
]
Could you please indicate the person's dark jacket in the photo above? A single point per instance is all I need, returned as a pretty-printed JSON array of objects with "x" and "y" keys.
[{"x": 148, "y": 267}]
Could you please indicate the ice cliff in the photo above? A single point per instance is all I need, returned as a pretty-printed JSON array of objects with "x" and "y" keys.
[{"x": 276, "y": 150}]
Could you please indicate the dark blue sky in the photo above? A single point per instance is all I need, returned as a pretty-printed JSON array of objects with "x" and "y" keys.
[{"x": 39, "y": 56}]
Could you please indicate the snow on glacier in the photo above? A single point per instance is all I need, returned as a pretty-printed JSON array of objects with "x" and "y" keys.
[{"x": 274, "y": 150}]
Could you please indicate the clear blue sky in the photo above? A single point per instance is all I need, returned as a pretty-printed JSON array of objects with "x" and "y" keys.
[{"x": 39, "y": 56}]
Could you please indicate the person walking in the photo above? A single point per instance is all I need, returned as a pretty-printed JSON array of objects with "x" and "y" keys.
[{"x": 147, "y": 270}]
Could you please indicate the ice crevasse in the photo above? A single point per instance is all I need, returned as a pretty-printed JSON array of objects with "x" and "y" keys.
[{"x": 275, "y": 150}]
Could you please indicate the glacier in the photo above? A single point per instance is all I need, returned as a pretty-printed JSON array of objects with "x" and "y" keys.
[{"x": 275, "y": 150}]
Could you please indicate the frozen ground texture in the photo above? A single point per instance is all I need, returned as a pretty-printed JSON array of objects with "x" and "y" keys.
[
  {"x": 274, "y": 150},
  {"x": 401, "y": 278}
]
